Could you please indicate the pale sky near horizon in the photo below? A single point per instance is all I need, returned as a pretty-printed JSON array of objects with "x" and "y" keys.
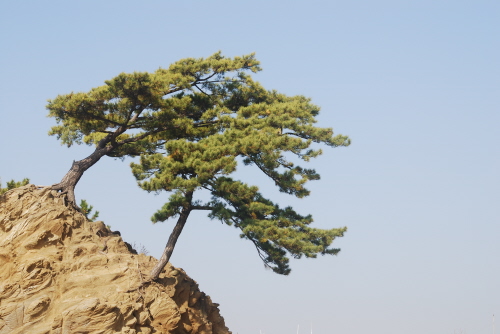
[{"x": 415, "y": 84}]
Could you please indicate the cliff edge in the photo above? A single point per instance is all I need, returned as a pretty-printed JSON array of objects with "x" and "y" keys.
[{"x": 62, "y": 274}]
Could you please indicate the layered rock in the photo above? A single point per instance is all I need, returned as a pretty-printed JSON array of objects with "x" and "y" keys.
[{"x": 62, "y": 274}]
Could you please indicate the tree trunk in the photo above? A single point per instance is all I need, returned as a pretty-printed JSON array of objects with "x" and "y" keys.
[
  {"x": 172, "y": 240},
  {"x": 69, "y": 181}
]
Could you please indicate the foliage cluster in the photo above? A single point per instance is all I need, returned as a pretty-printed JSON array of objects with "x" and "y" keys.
[
  {"x": 86, "y": 209},
  {"x": 13, "y": 184}
]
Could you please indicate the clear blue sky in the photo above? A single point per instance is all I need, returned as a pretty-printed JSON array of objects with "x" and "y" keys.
[{"x": 416, "y": 86}]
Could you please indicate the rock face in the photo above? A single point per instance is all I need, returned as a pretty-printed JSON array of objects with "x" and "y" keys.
[{"x": 61, "y": 274}]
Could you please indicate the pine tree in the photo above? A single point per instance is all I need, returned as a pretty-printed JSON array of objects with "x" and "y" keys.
[
  {"x": 191, "y": 123},
  {"x": 262, "y": 128},
  {"x": 86, "y": 209}
]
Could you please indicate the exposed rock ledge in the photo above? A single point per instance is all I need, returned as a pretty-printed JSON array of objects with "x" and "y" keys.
[{"x": 61, "y": 274}]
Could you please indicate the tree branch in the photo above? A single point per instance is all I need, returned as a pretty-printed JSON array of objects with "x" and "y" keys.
[
  {"x": 201, "y": 207},
  {"x": 134, "y": 139},
  {"x": 201, "y": 90},
  {"x": 297, "y": 135},
  {"x": 259, "y": 250},
  {"x": 101, "y": 118},
  {"x": 207, "y": 78},
  {"x": 199, "y": 125},
  {"x": 263, "y": 171}
]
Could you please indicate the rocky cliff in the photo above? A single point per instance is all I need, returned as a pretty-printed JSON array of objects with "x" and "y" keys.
[{"x": 62, "y": 274}]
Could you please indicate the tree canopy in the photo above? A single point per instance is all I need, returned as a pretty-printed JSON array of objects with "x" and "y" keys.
[{"x": 192, "y": 124}]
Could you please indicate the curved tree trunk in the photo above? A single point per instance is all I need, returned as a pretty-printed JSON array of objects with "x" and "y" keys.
[
  {"x": 69, "y": 181},
  {"x": 104, "y": 147},
  {"x": 172, "y": 240}
]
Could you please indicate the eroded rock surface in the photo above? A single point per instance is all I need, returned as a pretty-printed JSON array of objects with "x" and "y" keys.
[{"x": 61, "y": 274}]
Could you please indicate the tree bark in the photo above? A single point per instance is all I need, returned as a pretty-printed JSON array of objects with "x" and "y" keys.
[
  {"x": 172, "y": 240},
  {"x": 69, "y": 181}
]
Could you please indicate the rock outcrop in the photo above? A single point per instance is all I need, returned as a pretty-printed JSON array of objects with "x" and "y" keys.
[{"x": 62, "y": 274}]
